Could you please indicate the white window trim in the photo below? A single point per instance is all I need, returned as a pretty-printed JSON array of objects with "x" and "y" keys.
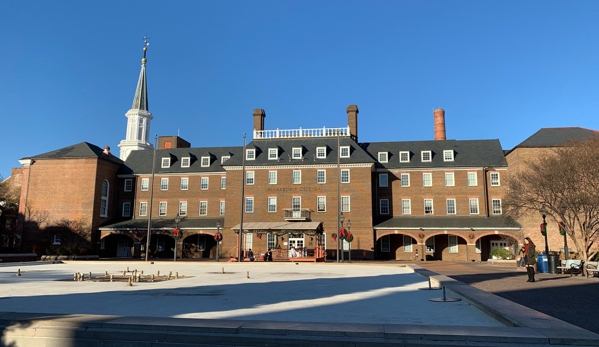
[
  {"x": 223, "y": 182},
  {"x": 409, "y": 206},
  {"x": 445, "y": 155},
  {"x": 475, "y": 179},
  {"x": 141, "y": 184},
  {"x": 296, "y": 153},
  {"x": 184, "y": 160},
  {"x": 498, "y": 183},
  {"x": 401, "y": 180},
  {"x": 430, "y": 156},
  {"x": 432, "y": 206},
  {"x": 348, "y": 177},
  {"x": 324, "y": 152},
  {"x": 165, "y": 163},
  {"x": 249, "y": 178},
  {"x": 383, "y": 157},
  {"x": 348, "y": 204},
  {"x": 272, "y": 151},
  {"x": 186, "y": 184},
  {"x": 381, "y": 206},
  {"x": 245, "y": 204},
  {"x": 324, "y": 176},
  {"x": 452, "y": 175},
  {"x": 275, "y": 177},
  {"x": 128, "y": 185},
  {"x": 455, "y": 208},
  {"x": 224, "y": 158},
  {"x": 341, "y": 149},
  {"x": 268, "y": 204},
  {"x": 252, "y": 156},
  {"x": 470, "y": 208},
  {"x": 164, "y": 179},
  {"x": 202, "y": 161},
  {"x": 165, "y": 208},
  {"x": 205, "y": 203},
  {"x": 293, "y": 176},
  {"x": 407, "y": 153},
  {"x": 207, "y": 183},
  {"x": 144, "y": 203},
  {"x": 424, "y": 181},
  {"x": 222, "y": 208},
  {"x": 104, "y": 199},
  {"x": 182, "y": 208},
  {"x": 325, "y": 203},
  {"x": 493, "y": 208}
]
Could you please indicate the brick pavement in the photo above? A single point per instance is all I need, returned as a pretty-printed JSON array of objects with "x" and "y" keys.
[{"x": 571, "y": 299}]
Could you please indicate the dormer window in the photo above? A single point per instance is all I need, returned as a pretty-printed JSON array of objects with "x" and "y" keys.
[
  {"x": 448, "y": 155},
  {"x": 224, "y": 158},
  {"x": 426, "y": 156},
  {"x": 321, "y": 152},
  {"x": 273, "y": 153},
  {"x": 205, "y": 161},
  {"x": 383, "y": 157},
  {"x": 166, "y": 163},
  {"x": 185, "y": 161},
  {"x": 404, "y": 156},
  {"x": 344, "y": 151},
  {"x": 250, "y": 154},
  {"x": 296, "y": 153}
]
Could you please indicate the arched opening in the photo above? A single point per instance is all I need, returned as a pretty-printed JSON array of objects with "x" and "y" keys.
[
  {"x": 446, "y": 247},
  {"x": 396, "y": 247},
  {"x": 486, "y": 244},
  {"x": 162, "y": 246},
  {"x": 199, "y": 246},
  {"x": 116, "y": 246}
]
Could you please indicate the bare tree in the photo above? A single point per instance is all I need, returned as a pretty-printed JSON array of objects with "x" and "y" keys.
[{"x": 565, "y": 184}]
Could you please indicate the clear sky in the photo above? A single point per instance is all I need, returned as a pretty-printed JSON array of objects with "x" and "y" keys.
[{"x": 500, "y": 69}]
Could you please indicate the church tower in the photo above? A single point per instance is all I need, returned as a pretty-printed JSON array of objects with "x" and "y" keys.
[{"x": 139, "y": 116}]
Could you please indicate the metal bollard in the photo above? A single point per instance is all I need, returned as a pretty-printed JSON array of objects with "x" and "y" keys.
[
  {"x": 110, "y": 278},
  {"x": 19, "y": 272},
  {"x": 176, "y": 275},
  {"x": 222, "y": 270},
  {"x": 152, "y": 278},
  {"x": 247, "y": 275},
  {"x": 158, "y": 273},
  {"x": 129, "y": 282}
]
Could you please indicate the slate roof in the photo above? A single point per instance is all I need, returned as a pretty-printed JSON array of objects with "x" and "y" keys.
[
  {"x": 140, "y": 162},
  {"x": 552, "y": 137},
  {"x": 467, "y": 153},
  {"x": 450, "y": 222},
  {"x": 165, "y": 224},
  {"x": 308, "y": 145},
  {"x": 80, "y": 150}
]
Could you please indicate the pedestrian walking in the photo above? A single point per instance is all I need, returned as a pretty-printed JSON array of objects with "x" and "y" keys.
[{"x": 530, "y": 258}]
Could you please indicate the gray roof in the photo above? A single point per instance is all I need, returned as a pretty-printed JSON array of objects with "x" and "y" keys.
[
  {"x": 450, "y": 222},
  {"x": 140, "y": 162},
  {"x": 552, "y": 137},
  {"x": 80, "y": 150},
  {"x": 165, "y": 224},
  {"x": 308, "y": 145},
  {"x": 469, "y": 153}
]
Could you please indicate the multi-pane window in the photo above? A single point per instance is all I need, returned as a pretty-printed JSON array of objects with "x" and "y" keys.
[
  {"x": 203, "y": 208},
  {"x": 143, "y": 209},
  {"x": 249, "y": 177},
  {"x": 448, "y": 155},
  {"x": 406, "y": 206},
  {"x": 472, "y": 180},
  {"x": 405, "y": 179},
  {"x": 223, "y": 183},
  {"x": 344, "y": 152},
  {"x": 272, "y": 204},
  {"x": 162, "y": 208},
  {"x": 182, "y": 208},
  {"x": 383, "y": 157},
  {"x": 345, "y": 204},
  {"x": 184, "y": 183},
  {"x": 224, "y": 158},
  {"x": 321, "y": 176},
  {"x": 128, "y": 185},
  {"x": 451, "y": 206},
  {"x": 222, "y": 208},
  {"x": 296, "y": 204},
  {"x": 321, "y": 152},
  {"x": 271, "y": 240},
  {"x": 164, "y": 184},
  {"x": 204, "y": 183},
  {"x": 449, "y": 179},
  {"x": 166, "y": 162},
  {"x": 428, "y": 206},
  {"x": 494, "y": 179},
  {"x": 384, "y": 206},
  {"x": 430, "y": 245},
  {"x": 426, "y": 156},
  {"x": 473, "y": 202},
  {"x": 205, "y": 161},
  {"x": 321, "y": 204},
  {"x": 385, "y": 244},
  {"x": 496, "y": 206},
  {"x": 407, "y": 243},
  {"x": 249, "y": 237},
  {"x": 272, "y": 177},
  {"x": 383, "y": 180},
  {"x": 427, "y": 179},
  {"x": 126, "y": 209},
  {"x": 453, "y": 244},
  {"x": 145, "y": 184},
  {"x": 404, "y": 156},
  {"x": 297, "y": 177},
  {"x": 250, "y": 154},
  {"x": 249, "y": 205},
  {"x": 273, "y": 153},
  {"x": 296, "y": 153},
  {"x": 185, "y": 162},
  {"x": 104, "y": 199},
  {"x": 345, "y": 176}
]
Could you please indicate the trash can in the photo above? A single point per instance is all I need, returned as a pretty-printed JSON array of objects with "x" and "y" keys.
[
  {"x": 542, "y": 263},
  {"x": 552, "y": 262}
]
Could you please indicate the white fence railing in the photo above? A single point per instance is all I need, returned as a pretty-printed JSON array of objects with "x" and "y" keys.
[{"x": 296, "y": 133}]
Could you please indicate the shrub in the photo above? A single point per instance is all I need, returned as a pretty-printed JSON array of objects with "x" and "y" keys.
[{"x": 500, "y": 253}]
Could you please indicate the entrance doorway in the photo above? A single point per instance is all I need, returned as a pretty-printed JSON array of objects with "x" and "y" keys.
[
  {"x": 123, "y": 248},
  {"x": 297, "y": 242}
]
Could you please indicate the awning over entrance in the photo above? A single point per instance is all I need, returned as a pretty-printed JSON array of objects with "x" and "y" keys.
[
  {"x": 165, "y": 224},
  {"x": 449, "y": 223},
  {"x": 309, "y": 228}
]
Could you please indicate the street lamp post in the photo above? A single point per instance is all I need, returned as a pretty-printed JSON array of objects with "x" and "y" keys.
[
  {"x": 562, "y": 230},
  {"x": 217, "y": 238},
  {"x": 544, "y": 229},
  {"x": 339, "y": 241},
  {"x": 349, "y": 243},
  {"x": 176, "y": 234}
]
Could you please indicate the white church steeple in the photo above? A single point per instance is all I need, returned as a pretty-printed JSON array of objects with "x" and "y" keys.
[{"x": 139, "y": 116}]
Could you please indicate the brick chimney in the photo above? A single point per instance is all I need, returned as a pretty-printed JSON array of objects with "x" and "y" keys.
[
  {"x": 107, "y": 150},
  {"x": 259, "y": 116},
  {"x": 352, "y": 121},
  {"x": 439, "y": 115}
]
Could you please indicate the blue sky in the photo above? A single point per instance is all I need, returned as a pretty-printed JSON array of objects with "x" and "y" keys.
[{"x": 500, "y": 69}]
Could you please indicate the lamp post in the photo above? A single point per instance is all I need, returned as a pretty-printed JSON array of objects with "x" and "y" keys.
[
  {"x": 339, "y": 241},
  {"x": 349, "y": 243},
  {"x": 562, "y": 230},
  {"x": 217, "y": 238},
  {"x": 544, "y": 229},
  {"x": 176, "y": 234}
]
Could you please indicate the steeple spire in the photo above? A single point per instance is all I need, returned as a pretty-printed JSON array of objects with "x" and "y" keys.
[{"x": 139, "y": 116}]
